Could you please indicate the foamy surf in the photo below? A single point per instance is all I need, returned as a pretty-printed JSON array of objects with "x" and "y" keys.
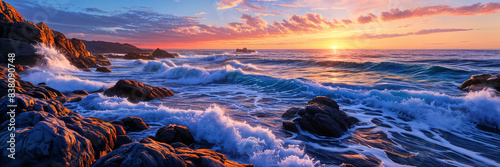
[{"x": 255, "y": 145}]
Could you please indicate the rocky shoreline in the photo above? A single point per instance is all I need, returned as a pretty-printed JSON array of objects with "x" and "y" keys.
[{"x": 70, "y": 139}]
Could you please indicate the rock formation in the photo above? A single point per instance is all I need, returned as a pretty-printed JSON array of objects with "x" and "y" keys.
[
  {"x": 481, "y": 82},
  {"x": 322, "y": 116},
  {"x": 103, "y": 69},
  {"x": 244, "y": 50},
  {"x": 136, "y": 91},
  {"x": 18, "y": 35},
  {"x": 174, "y": 133},
  {"x": 158, "y": 53}
]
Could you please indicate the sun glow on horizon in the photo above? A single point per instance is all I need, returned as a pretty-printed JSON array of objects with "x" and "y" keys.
[{"x": 334, "y": 47}]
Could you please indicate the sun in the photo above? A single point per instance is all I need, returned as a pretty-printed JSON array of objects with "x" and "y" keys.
[{"x": 334, "y": 47}]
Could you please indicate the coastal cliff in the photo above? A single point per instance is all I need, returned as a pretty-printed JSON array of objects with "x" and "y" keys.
[{"x": 18, "y": 35}]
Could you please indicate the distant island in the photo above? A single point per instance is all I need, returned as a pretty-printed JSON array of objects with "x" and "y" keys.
[
  {"x": 110, "y": 47},
  {"x": 245, "y": 50}
]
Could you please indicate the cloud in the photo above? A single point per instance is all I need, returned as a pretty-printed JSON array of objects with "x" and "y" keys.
[
  {"x": 421, "y": 32},
  {"x": 254, "y": 22},
  {"x": 96, "y": 10},
  {"x": 75, "y": 35},
  {"x": 367, "y": 19},
  {"x": 201, "y": 13},
  {"x": 398, "y": 14},
  {"x": 252, "y": 5}
]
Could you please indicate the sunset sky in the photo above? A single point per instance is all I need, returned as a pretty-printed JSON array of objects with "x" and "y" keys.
[{"x": 274, "y": 24}]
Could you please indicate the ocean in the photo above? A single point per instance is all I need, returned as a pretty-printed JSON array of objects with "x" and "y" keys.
[{"x": 410, "y": 110}]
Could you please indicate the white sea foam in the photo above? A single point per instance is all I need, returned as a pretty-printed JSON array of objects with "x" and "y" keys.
[
  {"x": 63, "y": 82},
  {"x": 237, "y": 64},
  {"x": 258, "y": 145},
  {"x": 52, "y": 58}
]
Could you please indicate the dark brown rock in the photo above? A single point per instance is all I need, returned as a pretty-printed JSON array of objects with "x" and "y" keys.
[
  {"x": 136, "y": 91},
  {"x": 158, "y": 53},
  {"x": 480, "y": 82},
  {"x": 134, "y": 55},
  {"x": 322, "y": 117},
  {"x": 103, "y": 69},
  {"x": 134, "y": 124},
  {"x": 174, "y": 133},
  {"x": 290, "y": 126},
  {"x": 290, "y": 113},
  {"x": 122, "y": 140}
]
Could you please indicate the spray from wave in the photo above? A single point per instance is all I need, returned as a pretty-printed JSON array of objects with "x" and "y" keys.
[{"x": 52, "y": 58}]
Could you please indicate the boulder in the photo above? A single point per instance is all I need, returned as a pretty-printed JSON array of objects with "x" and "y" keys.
[
  {"x": 480, "y": 82},
  {"x": 134, "y": 124},
  {"x": 122, "y": 140},
  {"x": 321, "y": 116},
  {"x": 158, "y": 53},
  {"x": 146, "y": 153},
  {"x": 290, "y": 126},
  {"x": 205, "y": 158},
  {"x": 101, "y": 134},
  {"x": 27, "y": 103},
  {"x": 44, "y": 140},
  {"x": 174, "y": 133},
  {"x": 103, "y": 69},
  {"x": 137, "y": 91},
  {"x": 119, "y": 129},
  {"x": 290, "y": 113}
]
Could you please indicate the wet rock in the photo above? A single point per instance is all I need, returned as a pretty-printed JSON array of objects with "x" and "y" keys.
[
  {"x": 103, "y": 69},
  {"x": 134, "y": 124},
  {"x": 174, "y": 133},
  {"x": 138, "y": 56},
  {"x": 475, "y": 83},
  {"x": 101, "y": 134},
  {"x": 205, "y": 157},
  {"x": 27, "y": 103},
  {"x": 122, "y": 140},
  {"x": 80, "y": 92},
  {"x": 19, "y": 68},
  {"x": 119, "y": 129},
  {"x": 290, "y": 126},
  {"x": 142, "y": 154},
  {"x": 137, "y": 91},
  {"x": 59, "y": 146},
  {"x": 322, "y": 117},
  {"x": 290, "y": 113}
]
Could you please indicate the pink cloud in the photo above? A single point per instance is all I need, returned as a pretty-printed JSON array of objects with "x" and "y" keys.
[
  {"x": 475, "y": 9},
  {"x": 256, "y": 27},
  {"x": 367, "y": 19},
  {"x": 421, "y": 32}
]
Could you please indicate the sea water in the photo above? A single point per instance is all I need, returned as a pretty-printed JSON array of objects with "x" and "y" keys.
[{"x": 410, "y": 109}]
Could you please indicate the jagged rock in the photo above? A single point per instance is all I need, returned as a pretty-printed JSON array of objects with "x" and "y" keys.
[
  {"x": 17, "y": 35},
  {"x": 100, "y": 133},
  {"x": 46, "y": 141},
  {"x": 27, "y": 103},
  {"x": 481, "y": 82},
  {"x": 148, "y": 152},
  {"x": 134, "y": 124},
  {"x": 136, "y": 91},
  {"x": 19, "y": 68},
  {"x": 322, "y": 116},
  {"x": 103, "y": 69},
  {"x": 158, "y": 53},
  {"x": 174, "y": 133},
  {"x": 9, "y": 13},
  {"x": 142, "y": 154}
]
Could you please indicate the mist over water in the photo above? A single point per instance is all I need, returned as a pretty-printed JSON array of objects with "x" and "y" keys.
[{"x": 410, "y": 109}]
